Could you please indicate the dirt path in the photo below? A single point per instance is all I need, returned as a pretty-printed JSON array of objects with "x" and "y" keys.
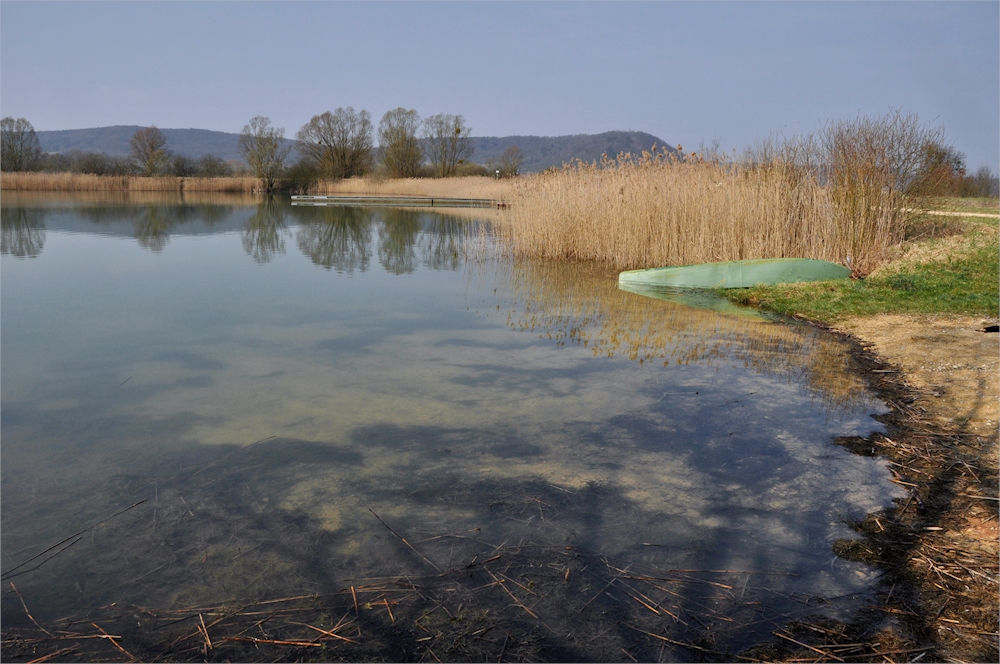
[
  {"x": 937, "y": 549},
  {"x": 953, "y": 366}
]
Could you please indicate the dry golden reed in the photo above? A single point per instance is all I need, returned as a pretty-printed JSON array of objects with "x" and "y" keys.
[
  {"x": 655, "y": 210},
  {"x": 457, "y": 187},
  {"x": 82, "y": 199},
  {"x": 841, "y": 195},
  {"x": 88, "y": 182}
]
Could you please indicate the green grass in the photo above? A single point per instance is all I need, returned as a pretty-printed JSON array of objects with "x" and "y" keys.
[
  {"x": 955, "y": 204},
  {"x": 962, "y": 280}
]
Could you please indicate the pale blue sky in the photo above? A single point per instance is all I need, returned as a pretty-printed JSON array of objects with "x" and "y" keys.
[{"x": 686, "y": 72}]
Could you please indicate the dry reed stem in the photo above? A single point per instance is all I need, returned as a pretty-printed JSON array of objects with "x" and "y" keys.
[{"x": 53, "y": 655}]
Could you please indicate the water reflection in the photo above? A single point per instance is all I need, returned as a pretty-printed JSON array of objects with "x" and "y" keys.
[
  {"x": 340, "y": 238},
  {"x": 335, "y": 238},
  {"x": 443, "y": 241},
  {"x": 263, "y": 235},
  {"x": 570, "y": 305},
  {"x": 397, "y": 235},
  {"x": 153, "y": 224},
  {"x": 23, "y": 231}
]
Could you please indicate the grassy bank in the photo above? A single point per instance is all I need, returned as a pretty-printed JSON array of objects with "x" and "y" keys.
[{"x": 949, "y": 267}]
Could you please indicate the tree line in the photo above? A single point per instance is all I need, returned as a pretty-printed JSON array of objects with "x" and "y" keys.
[{"x": 333, "y": 145}]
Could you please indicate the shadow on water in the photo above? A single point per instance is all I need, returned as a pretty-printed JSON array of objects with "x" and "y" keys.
[{"x": 442, "y": 567}]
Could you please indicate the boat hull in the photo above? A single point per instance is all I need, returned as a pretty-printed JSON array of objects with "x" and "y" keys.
[{"x": 736, "y": 274}]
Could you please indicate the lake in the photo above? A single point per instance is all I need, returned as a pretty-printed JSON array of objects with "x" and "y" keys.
[{"x": 233, "y": 427}]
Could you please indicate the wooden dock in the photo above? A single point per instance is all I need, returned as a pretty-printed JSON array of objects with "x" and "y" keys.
[{"x": 397, "y": 201}]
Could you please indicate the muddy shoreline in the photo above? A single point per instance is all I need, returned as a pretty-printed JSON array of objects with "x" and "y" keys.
[{"x": 937, "y": 598}]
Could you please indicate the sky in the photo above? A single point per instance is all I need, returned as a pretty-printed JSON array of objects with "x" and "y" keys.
[{"x": 688, "y": 72}]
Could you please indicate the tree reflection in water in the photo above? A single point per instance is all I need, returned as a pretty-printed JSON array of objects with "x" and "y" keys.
[
  {"x": 441, "y": 243},
  {"x": 23, "y": 231},
  {"x": 335, "y": 237},
  {"x": 340, "y": 238},
  {"x": 263, "y": 234},
  {"x": 397, "y": 237},
  {"x": 152, "y": 228}
]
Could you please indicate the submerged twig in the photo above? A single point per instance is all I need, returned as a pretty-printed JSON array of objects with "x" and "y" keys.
[
  {"x": 403, "y": 540},
  {"x": 57, "y": 544}
]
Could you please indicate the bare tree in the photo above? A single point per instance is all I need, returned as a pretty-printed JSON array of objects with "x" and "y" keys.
[
  {"x": 339, "y": 143},
  {"x": 210, "y": 166},
  {"x": 262, "y": 147},
  {"x": 941, "y": 170},
  {"x": 507, "y": 165},
  {"x": 19, "y": 145},
  {"x": 149, "y": 151},
  {"x": 399, "y": 147},
  {"x": 447, "y": 142}
]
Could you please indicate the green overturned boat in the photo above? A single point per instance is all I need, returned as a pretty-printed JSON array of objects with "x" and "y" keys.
[{"x": 736, "y": 274}]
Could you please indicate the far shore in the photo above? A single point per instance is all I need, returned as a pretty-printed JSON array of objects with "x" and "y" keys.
[{"x": 455, "y": 187}]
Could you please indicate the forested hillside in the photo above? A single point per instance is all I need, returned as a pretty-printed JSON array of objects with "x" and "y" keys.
[{"x": 540, "y": 152}]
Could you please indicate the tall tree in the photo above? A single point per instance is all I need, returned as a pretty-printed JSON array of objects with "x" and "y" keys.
[
  {"x": 399, "y": 147},
  {"x": 447, "y": 142},
  {"x": 263, "y": 149},
  {"x": 507, "y": 165},
  {"x": 149, "y": 151},
  {"x": 19, "y": 146},
  {"x": 339, "y": 143}
]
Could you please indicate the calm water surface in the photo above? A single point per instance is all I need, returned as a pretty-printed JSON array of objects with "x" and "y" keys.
[{"x": 269, "y": 378}]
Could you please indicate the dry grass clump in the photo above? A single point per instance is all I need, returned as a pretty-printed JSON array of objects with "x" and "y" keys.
[
  {"x": 839, "y": 196},
  {"x": 457, "y": 187},
  {"x": 31, "y": 181}
]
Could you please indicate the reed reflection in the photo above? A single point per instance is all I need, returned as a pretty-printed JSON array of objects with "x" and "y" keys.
[
  {"x": 263, "y": 235},
  {"x": 22, "y": 231},
  {"x": 570, "y": 305}
]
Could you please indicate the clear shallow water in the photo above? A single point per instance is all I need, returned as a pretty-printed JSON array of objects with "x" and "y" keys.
[{"x": 269, "y": 378}]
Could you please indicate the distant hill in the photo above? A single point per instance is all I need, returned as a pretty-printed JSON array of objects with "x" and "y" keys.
[
  {"x": 114, "y": 141},
  {"x": 540, "y": 152}
]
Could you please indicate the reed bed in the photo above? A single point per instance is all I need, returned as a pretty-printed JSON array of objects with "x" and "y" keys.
[
  {"x": 841, "y": 195},
  {"x": 655, "y": 210},
  {"x": 89, "y": 182},
  {"x": 458, "y": 187},
  {"x": 40, "y": 199}
]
